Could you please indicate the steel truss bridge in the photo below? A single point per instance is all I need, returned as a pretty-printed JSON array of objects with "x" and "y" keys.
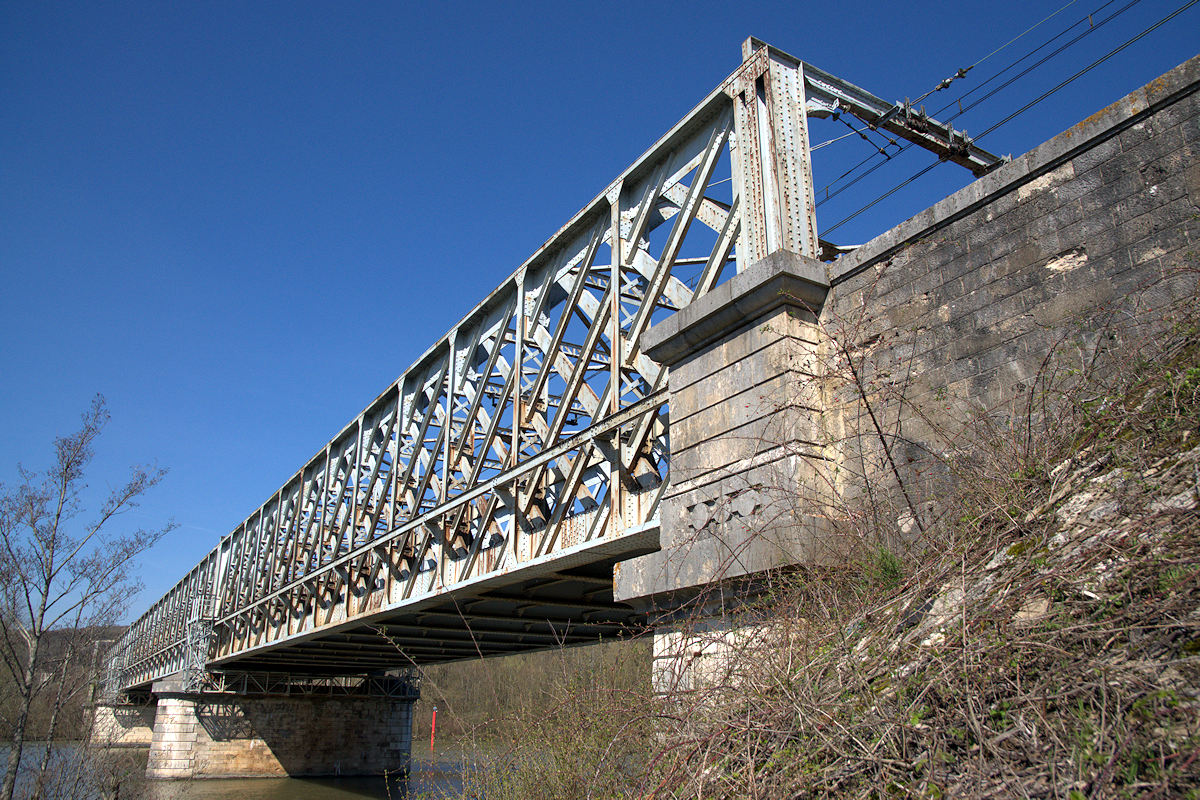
[{"x": 477, "y": 506}]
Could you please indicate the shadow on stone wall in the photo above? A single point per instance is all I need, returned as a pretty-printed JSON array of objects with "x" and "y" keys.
[
  {"x": 300, "y": 736},
  {"x": 128, "y": 717},
  {"x": 224, "y": 722}
]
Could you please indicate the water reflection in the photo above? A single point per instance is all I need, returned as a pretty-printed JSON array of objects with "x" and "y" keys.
[
  {"x": 275, "y": 789},
  {"x": 429, "y": 779}
]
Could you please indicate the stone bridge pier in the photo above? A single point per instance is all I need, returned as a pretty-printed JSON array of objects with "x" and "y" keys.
[
  {"x": 797, "y": 383},
  {"x": 743, "y": 371},
  {"x": 219, "y": 734},
  {"x": 117, "y": 724}
]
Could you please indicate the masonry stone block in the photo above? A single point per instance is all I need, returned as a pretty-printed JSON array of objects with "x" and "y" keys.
[
  {"x": 122, "y": 724},
  {"x": 226, "y": 736},
  {"x": 742, "y": 366},
  {"x": 971, "y": 296}
]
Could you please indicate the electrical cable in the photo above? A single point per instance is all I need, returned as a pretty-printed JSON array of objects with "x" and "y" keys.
[
  {"x": 962, "y": 71},
  {"x": 1092, "y": 25},
  {"x": 830, "y": 195},
  {"x": 1091, "y": 66},
  {"x": 1027, "y": 106},
  {"x": 852, "y": 170},
  {"x": 1042, "y": 60},
  {"x": 862, "y": 135},
  {"x": 1091, "y": 28},
  {"x": 885, "y": 195},
  {"x": 831, "y": 141},
  {"x": 1021, "y": 34}
]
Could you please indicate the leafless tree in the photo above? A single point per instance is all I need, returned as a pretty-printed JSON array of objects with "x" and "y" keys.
[{"x": 61, "y": 576}]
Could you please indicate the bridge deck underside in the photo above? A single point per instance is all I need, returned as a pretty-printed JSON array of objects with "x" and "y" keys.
[{"x": 569, "y": 604}]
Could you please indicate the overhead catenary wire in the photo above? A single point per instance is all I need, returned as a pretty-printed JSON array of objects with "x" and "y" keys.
[
  {"x": 1023, "y": 33},
  {"x": 863, "y": 135},
  {"x": 884, "y": 196},
  {"x": 962, "y": 71},
  {"x": 1136, "y": 37},
  {"x": 1091, "y": 66},
  {"x": 1092, "y": 27},
  {"x": 828, "y": 142}
]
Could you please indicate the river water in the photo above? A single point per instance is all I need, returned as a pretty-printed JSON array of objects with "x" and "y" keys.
[{"x": 432, "y": 777}]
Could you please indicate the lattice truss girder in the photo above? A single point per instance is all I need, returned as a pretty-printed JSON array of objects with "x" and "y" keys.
[{"x": 537, "y": 424}]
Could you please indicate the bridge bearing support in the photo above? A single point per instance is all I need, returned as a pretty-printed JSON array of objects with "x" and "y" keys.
[
  {"x": 233, "y": 736},
  {"x": 745, "y": 398}
]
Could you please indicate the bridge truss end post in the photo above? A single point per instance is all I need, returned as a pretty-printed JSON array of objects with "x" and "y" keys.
[{"x": 772, "y": 162}]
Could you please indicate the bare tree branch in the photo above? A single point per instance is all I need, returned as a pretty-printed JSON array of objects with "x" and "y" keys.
[{"x": 60, "y": 578}]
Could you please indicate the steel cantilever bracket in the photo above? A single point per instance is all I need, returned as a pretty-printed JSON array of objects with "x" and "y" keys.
[{"x": 827, "y": 95}]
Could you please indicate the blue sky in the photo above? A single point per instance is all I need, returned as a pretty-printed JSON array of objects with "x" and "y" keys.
[{"x": 241, "y": 221}]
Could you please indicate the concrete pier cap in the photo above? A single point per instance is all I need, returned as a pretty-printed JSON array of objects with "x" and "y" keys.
[{"x": 742, "y": 429}]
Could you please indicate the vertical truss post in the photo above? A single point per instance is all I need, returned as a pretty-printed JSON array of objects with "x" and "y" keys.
[
  {"x": 199, "y": 640},
  {"x": 452, "y": 377},
  {"x": 616, "y": 356},
  {"x": 772, "y": 163},
  {"x": 358, "y": 466},
  {"x": 517, "y": 380}
]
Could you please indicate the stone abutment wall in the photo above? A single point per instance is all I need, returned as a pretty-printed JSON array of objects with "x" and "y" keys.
[{"x": 787, "y": 380}]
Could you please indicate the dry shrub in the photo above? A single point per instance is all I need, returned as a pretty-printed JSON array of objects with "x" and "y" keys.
[
  {"x": 1014, "y": 609},
  {"x": 1034, "y": 632},
  {"x": 576, "y": 723}
]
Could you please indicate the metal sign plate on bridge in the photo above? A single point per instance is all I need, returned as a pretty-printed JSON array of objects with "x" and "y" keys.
[{"x": 478, "y": 505}]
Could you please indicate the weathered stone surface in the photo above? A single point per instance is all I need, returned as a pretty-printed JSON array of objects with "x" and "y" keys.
[
  {"x": 122, "y": 725},
  {"x": 781, "y": 280},
  {"x": 741, "y": 362},
  {"x": 219, "y": 736},
  {"x": 956, "y": 310},
  {"x": 699, "y": 653}
]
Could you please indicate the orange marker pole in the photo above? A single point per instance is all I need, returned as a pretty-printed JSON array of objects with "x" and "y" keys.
[{"x": 432, "y": 729}]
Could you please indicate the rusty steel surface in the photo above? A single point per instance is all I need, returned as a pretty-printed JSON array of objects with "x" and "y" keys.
[{"x": 477, "y": 505}]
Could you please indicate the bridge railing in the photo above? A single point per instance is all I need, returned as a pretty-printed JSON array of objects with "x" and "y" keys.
[{"x": 536, "y": 423}]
